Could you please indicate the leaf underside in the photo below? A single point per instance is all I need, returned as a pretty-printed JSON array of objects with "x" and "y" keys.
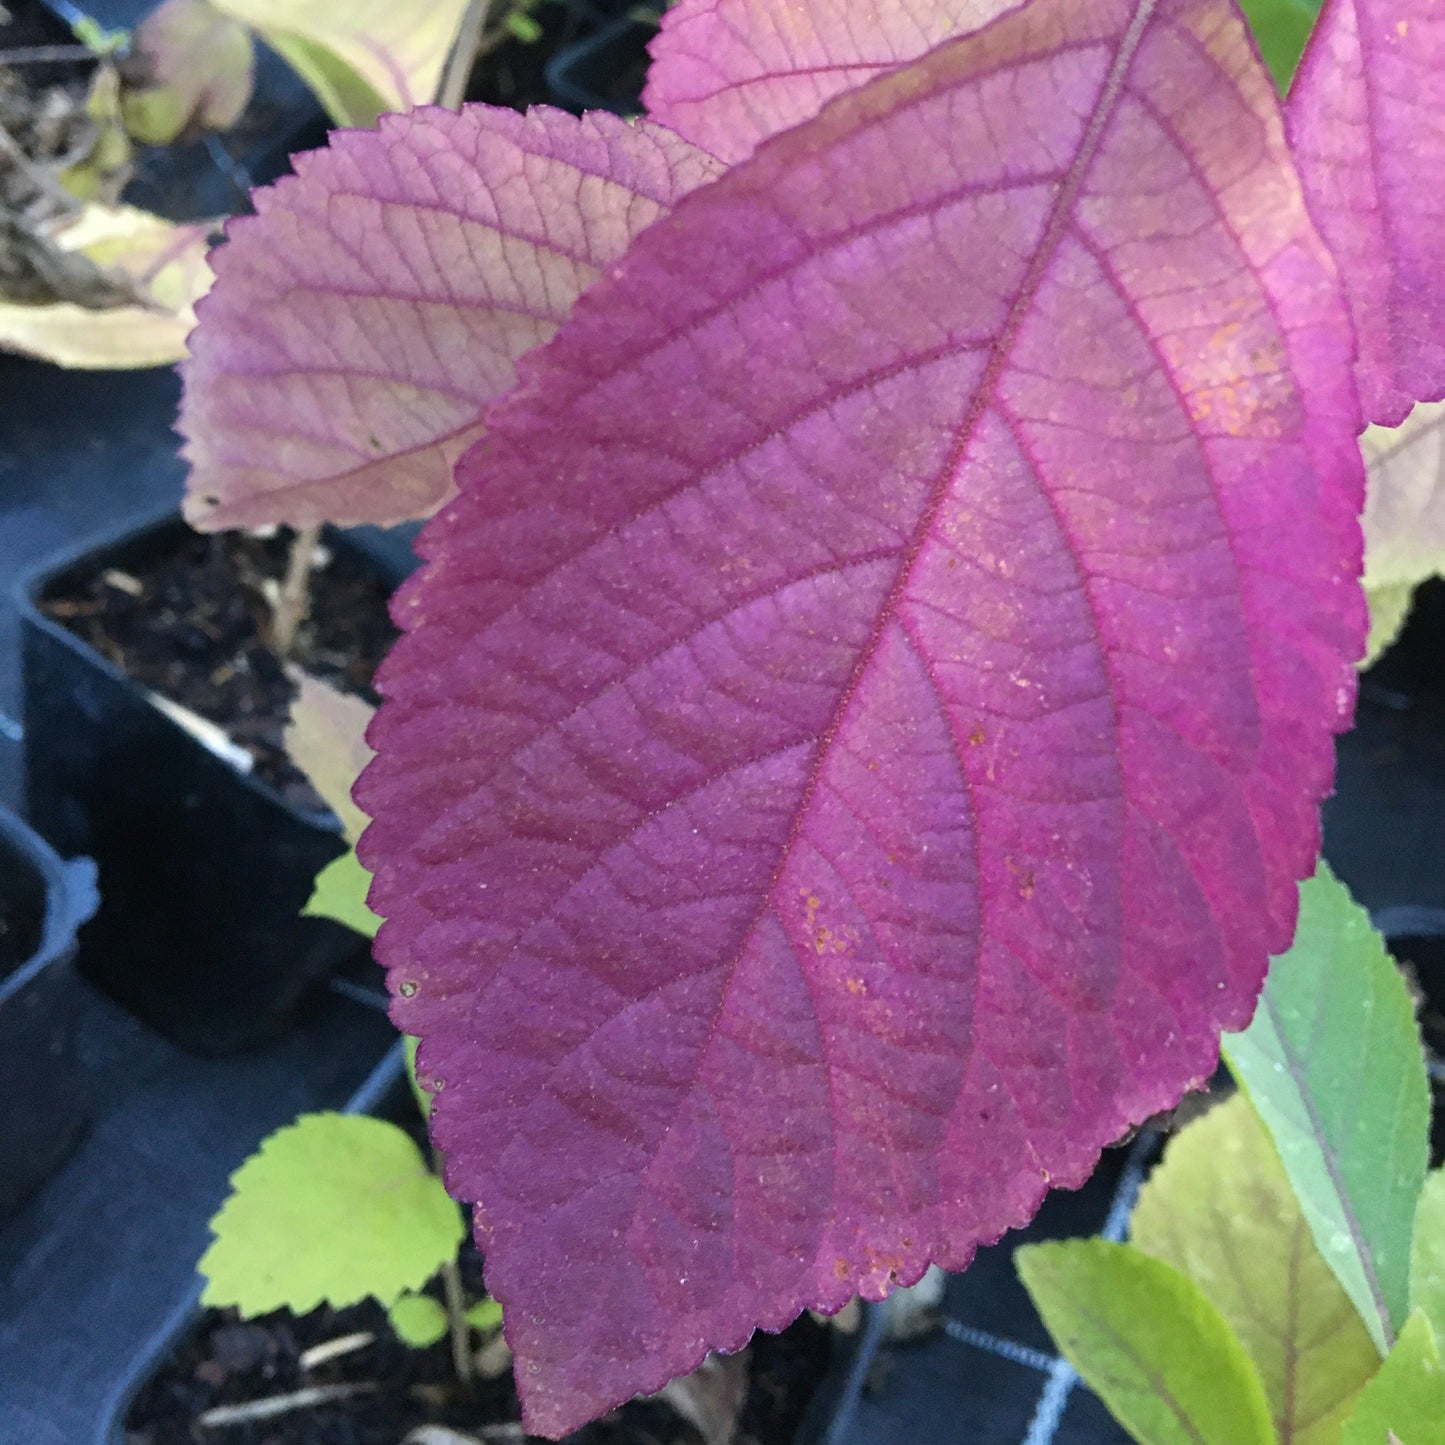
[
  {"x": 727, "y": 74},
  {"x": 1332, "y": 1063},
  {"x": 861, "y": 721},
  {"x": 1364, "y": 121},
  {"x": 378, "y": 301}
]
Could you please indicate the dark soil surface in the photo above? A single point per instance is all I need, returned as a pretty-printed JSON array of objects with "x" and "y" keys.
[
  {"x": 513, "y": 73},
  {"x": 225, "y": 1361},
  {"x": 194, "y": 626}
]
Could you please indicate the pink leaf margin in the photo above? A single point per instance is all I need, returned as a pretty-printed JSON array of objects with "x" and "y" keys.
[{"x": 378, "y": 301}]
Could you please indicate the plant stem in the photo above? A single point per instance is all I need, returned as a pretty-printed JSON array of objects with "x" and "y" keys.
[
  {"x": 294, "y": 602},
  {"x": 461, "y": 1331},
  {"x": 463, "y": 54}
]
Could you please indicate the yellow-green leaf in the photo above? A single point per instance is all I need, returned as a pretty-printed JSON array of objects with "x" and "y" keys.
[
  {"x": 1220, "y": 1209},
  {"x": 332, "y": 1209},
  {"x": 1148, "y": 1343},
  {"x": 1427, "y": 1255},
  {"x": 485, "y": 1316},
  {"x": 340, "y": 894},
  {"x": 361, "y": 58},
  {"x": 418, "y": 1320},
  {"x": 166, "y": 264},
  {"x": 1406, "y": 1399}
]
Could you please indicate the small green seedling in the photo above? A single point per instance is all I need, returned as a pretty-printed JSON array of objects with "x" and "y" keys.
[{"x": 1285, "y": 1280}]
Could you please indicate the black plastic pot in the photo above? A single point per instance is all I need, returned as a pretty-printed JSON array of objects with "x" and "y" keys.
[
  {"x": 203, "y": 870},
  {"x": 387, "y": 1093},
  {"x": 45, "y": 1100}
]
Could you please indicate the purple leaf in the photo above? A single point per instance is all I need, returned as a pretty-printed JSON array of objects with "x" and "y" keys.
[
  {"x": 727, "y": 74},
  {"x": 361, "y": 322},
  {"x": 1364, "y": 118},
  {"x": 861, "y": 722}
]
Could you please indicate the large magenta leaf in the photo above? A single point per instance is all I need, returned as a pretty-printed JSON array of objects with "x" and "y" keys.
[
  {"x": 860, "y": 723},
  {"x": 1365, "y": 121},
  {"x": 360, "y": 323},
  {"x": 727, "y": 74}
]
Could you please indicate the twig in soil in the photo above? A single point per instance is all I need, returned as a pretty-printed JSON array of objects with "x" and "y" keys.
[
  {"x": 45, "y": 54},
  {"x": 294, "y": 601},
  {"x": 329, "y": 1350},
  {"x": 457, "y": 1326},
  {"x": 274, "y": 1405},
  {"x": 464, "y": 53}
]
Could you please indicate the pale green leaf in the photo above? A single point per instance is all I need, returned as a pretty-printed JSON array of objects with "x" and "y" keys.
[
  {"x": 1427, "y": 1256},
  {"x": 340, "y": 893},
  {"x": 485, "y": 1316},
  {"x": 1219, "y": 1208},
  {"x": 418, "y": 1320},
  {"x": 1148, "y": 1343},
  {"x": 1281, "y": 28},
  {"x": 334, "y": 1208},
  {"x": 1406, "y": 1399},
  {"x": 1404, "y": 517},
  {"x": 361, "y": 58},
  {"x": 326, "y": 739},
  {"x": 1389, "y": 606},
  {"x": 1333, "y": 1064}
]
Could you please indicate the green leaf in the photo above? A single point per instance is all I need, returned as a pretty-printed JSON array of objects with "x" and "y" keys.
[
  {"x": 340, "y": 893},
  {"x": 485, "y": 1316},
  {"x": 1219, "y": 1207},
  {"x": 419, "y": 1092},
  {"x": 419, "y": 1321},
  {"x": 1406, "y": 1399},
  {"x": 334, "y": 1208},
  {"x": 345, "y": 94},
  {"x": 1148, "y": 1343},
  {"x": 1427, "y": 1254},
  {"x": 1333, "y": 1065},
  {"x": 1281, "y": 28}
]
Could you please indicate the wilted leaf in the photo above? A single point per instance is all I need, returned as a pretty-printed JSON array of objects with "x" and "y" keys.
[
  {"x": 102, "y": 172},
  {"x": 1364, "y": 120},
  {"x": 882, "y": 663},
  {"x": 1220, "y": 1209},
  {"x": 1404, "y": 515},
  {"x": 1333, "y": 1064},
  {"x": 727, "y": 74},
  {"x": 326, "y": 739},
  {"x": 189, "y": 69},
  {"x": 1405, "y": 1402},
  {"x": 162, "y": 263},
  {"x": 362, "y": 57},
  {"x": 1427, "y": 1253},
  {"x": 340, "y": 894},
  {"x": 1148, "y": 1343},
  {"x": 332, "y": 1209},
  {"x": 361, "y": 323}
]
